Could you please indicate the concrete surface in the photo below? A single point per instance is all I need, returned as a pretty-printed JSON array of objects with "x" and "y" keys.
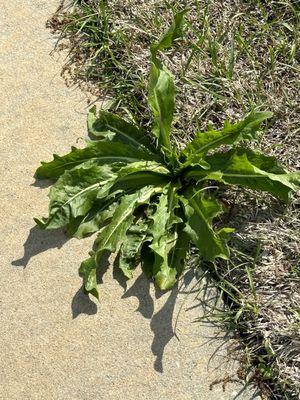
[{"x": 54, "y": 342}]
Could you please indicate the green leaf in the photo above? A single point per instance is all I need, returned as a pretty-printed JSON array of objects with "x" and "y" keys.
[
  {"x": 173, "y": 33},
  {"x": 88, "y": 272},
  {"x": 133, "y": 176},
  {"x": 74, "y": 193},
  {"x": 244, "y": 167},
  {"x": 162, "y": 102},
  {"x": 130, "y": 250},
  {"x": 164, "y": 238},
  {"x": 99, "y": 151},
  {"x": 179, "y": 252},
  {"x": 200, "y": 212},
  {"x": 230, "y": 134},
  {"x": 113, "y": 128},
  {"x": 101, "y": 212},
  {"x": 114, "y": 234},
  {"x": 143, "y": 166},
  {"x": 161, "y": 96},
  {"x": 140, "y": 174}
]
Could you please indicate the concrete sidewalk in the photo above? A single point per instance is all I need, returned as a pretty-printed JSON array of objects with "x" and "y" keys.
[{"x": 55, "y": 343}]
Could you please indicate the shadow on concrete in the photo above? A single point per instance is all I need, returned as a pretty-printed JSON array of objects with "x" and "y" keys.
[
  {"x": 82, "y": 304},
  {"x": 160, "y": 322},
  {"x": 39, "y": 241},
  {"x": 162, "y": 327},
  {"x": 118, "y": 274},
  {"x": 141, "y": 290},
  {"x": 42, "y": 183}
]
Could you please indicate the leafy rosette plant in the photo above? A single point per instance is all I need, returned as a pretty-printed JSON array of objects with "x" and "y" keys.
[{"x": 147, "y": 200}]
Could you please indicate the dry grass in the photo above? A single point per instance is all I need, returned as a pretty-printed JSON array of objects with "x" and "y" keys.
[{"x": 235, "y": 56}]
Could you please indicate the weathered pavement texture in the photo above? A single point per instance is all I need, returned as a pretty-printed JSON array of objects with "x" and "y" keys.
[{"x": 54, "y": 342}]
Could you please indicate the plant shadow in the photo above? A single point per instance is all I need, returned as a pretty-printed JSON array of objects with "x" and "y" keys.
[
  {"x": 162, "y": 327},
  {"x": 161, "y": 322},
  {"x": 39, "y": 241},
  {"x": 82, "y": 304}
]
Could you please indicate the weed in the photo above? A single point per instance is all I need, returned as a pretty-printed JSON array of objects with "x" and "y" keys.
[
  {"x": 146, "y": 198},
  {"x": 234, "y": 56}
]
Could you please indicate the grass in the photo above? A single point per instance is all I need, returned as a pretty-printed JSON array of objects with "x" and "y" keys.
[
  {"x": 259, "y": 295},
  {"x": 235, "y": 56}
]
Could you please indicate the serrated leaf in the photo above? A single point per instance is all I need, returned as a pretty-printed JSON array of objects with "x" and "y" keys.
[
  {"x": 200, "y": 212},
  {"x": 88, "y": 271},
  {"x": 99, "y": 151},
  {"x": 85, "y": 226},
  {"x": 74, "y": 193},
  {"x": 113, "y": 128},
  {"x": 230, "y": 134},
  {"x": 165, "y": 274},
  {"x": 164, "y": 238},
  {"x": 112, "y": 236},
  {"x": 131, "y": 246},
  {"x": 244, "y": 167}
]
